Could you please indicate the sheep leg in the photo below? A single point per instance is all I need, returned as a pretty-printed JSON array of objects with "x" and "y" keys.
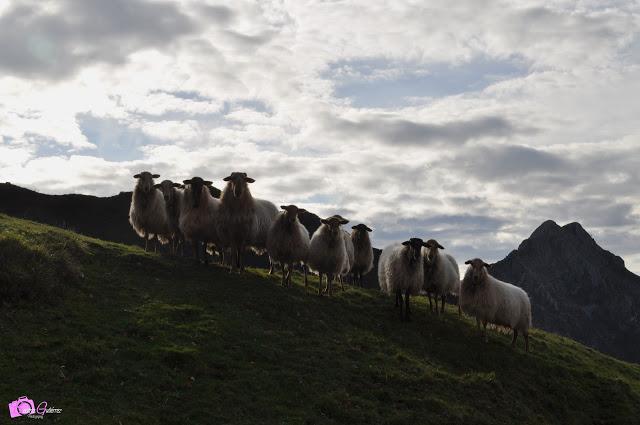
[
  {"x": 459, "y": 308},
  {"x": 204, "y": 253},
  {"x": 526, "y": 341},
  {"x": 196, "y": 250},
  {"x": 341, "y": 283},
  {"x": 146, "y": 241},
  {"x": 319, "y": 283},
  {"x": 289, "y": 273},
  {"x": 515, "y": 337},
  {"x": 155, "y": 243},
  {"x": 284, "y": 278},
  {"x": 407, "y": 309},
  {"x": 430, "y": 304},
  {"x": 484, "y": 331},
  {"x": 443, "y": 298},
  {"x": 397, "y": 299},
  {"x": 304, "y": 271},
  {"x": 399, "y": 303},
  {"x": 330, "y": 278},
  {"x": 271, "y": 267}
]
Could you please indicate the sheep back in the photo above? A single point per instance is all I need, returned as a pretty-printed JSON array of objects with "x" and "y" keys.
[
  {"x": 327, "y": 252},
  {"x": 288, "y": 242},
  {"x": 148, "y": 214},
  {"x": 363, "y": 252},
  {"x": 199, "y": 223}
]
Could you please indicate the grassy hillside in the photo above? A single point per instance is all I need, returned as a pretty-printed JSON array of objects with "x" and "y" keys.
[{"x": 113, "y": 335}]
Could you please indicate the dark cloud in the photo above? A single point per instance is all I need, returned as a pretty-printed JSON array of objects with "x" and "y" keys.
[
  {"x": 221, "y": 15},
  {"x": 411, "y": 133},
  {"x": 41, "y": 44}
]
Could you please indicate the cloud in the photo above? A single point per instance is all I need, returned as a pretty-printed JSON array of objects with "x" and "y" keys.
[
  {"x": 404, "y": 132},
  {"x": 78, "y": 33}
]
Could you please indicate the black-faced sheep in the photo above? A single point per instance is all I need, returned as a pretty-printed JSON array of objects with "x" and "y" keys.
[
  {"x": 363, "y": 252},
  {"x": 288, "y": 242},
  {"x": 198, "y": 216},
  {"x": 173, "y": 194},
  {"x": 243, "y": 221},
  {"x": 327, "y": 251},
  {"x": 490, "y": 300},
  {"x": 147, "y": 213},
  {"x": 441, "y": 273},
  {"x": 401, "y": 271}
]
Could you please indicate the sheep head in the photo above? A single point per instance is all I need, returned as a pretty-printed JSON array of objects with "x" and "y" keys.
[
  {"x": 167, "y": 187},
  {"x": 334, "y": 223},
  {"x": 238, "y": 183},
  {"x": 361, "y": 228},
  {"x": 414, "y": 248},
  {"x": 478, "y": 269},
  {"x": 432, "y": 246},
  {"x": 291, "y": 212},
  {"x": 145, "y": 181},
  {"x": 196, "y": 184},
  {"x": 340, "y": 218}
]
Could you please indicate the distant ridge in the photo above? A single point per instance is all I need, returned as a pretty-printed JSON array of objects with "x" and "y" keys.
[{"x": 577, "y": 288}]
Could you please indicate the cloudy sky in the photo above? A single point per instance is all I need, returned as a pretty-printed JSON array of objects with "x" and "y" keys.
[{"x": 468, "y": 121}]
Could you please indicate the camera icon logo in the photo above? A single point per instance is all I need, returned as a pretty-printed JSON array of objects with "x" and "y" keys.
[{"x": 21, "y": 407}]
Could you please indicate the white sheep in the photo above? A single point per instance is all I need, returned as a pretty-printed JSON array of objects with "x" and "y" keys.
[
  {"x": 198, "y": 216},
  {"x": 147, "y": 213},
  {"x": 288, "y": 242},
  {"x": 490, "y": 300},
  {"x": 401, "y": 270},
  {"x": 441, "y": 273},
  {"x": 327, "y": 251},
  {"x": 173, "y": 194},
  {"x": 243, "y": 221},
  {"x": 363, "y": 252}
]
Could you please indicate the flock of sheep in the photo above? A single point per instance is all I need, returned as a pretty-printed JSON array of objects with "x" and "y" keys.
[{"x": 175, "y": 213}]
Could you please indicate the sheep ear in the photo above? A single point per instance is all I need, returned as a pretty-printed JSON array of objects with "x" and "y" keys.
[
  {"x": 155, "y": 176},
  {"x": 354, "y": 227},
  {"x": 424, "y": 244},
  {"x": 368, "y": 229},
  {"x": 226, "y": 179},
  {"x": 440, "y": 246},
  {"x": 301, "y": 211},
  {"x": 324, "y": 221},
  {"x": 406, "y": 243},
  {"x": 157, "y": 186},
  {"x": 283, "y": 207},
  {"x": 177, "y": 185},
  {"x": 186, "y": 181},
  {"x": 468, "y": 262},
  {"x": 487, "y": 265},
  {"x": 344, "y": 221},
  {"x": 249, "y": 180},
  {"x": 208, "y": 183},
  {"x": 137, "y": 176}
]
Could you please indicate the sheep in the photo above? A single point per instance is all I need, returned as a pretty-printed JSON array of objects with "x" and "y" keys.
[
  {"x": 400, "y": 269},
  {"x": 363, "y": 252},
  {"x": 198, "y": 216},
  {"x": 243, "y": 221},
  {"x": 490, "y": 300},
  {"x": 173, "y": 194},
  {"x": 348, "y": 245},
  {"x": 327, "y": 251},
  {"x": 288, "y": 242},
  {"x": 441, "y": 273},
  {"x": 147, "y": 214}
]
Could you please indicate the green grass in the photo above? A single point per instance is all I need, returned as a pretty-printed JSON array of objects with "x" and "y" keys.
[{"x": 113, "y": 335}]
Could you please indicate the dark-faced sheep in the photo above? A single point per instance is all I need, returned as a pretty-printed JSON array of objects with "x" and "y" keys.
[
  {"x": 363, "y": 252},
  {"x": 198, "y": 216},
  {"x": 288, "y": 242},
  {"x": 491, "y": 300},
  {"x": 401, "y": 271},
  {"x": 147, "y": 213},
  {"x": 327, "y": 251},
  {"x": 243, "y": 221},
  {"x": 173, "y": 194},
  {"x": 441, "y": 273}
]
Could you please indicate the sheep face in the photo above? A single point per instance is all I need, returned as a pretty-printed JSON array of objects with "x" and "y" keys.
[
  {"x": 291, "y": 212},
  {"x": 145, "y": 181},
  {"x": 361, "y": 228},
  {"x": 333, "y": 223},
  {"x": 340, "y": 218},
  {"x": 414, "y": 249},
  {"x": 167, "y": 187},
  {"x": 238, "y": 182},
  {"x": 432, "y": 250},
  {"x": 197, "y": 184},
  {"x": 478, "y": 270}
]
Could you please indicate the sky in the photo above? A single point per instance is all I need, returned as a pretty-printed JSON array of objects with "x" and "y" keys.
[{"x": 471, "y": 122}]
